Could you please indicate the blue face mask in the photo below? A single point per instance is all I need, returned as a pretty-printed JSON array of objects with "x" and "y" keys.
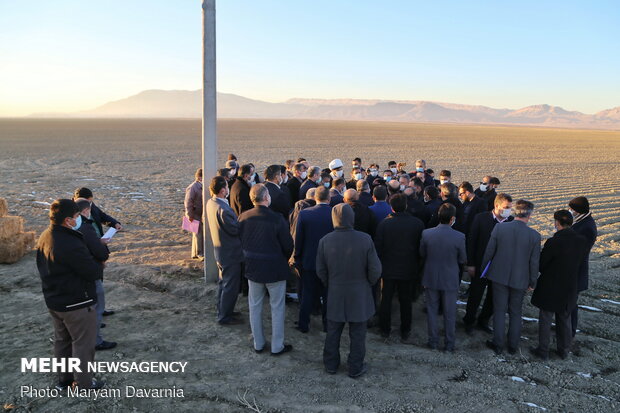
[
  {"x": 78, "y": 223},
  {"x": 419, "y": 169}
]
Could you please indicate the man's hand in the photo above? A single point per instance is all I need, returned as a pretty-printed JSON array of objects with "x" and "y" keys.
[
  {"x": 530, "y": 289},
  {"x": 105, "y": 241},
  {"x": 471, "y": 271},
  {"x": 118, "y": 227}
]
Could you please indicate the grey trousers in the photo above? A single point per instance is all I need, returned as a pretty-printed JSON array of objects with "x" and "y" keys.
[
  {"x": 256, "y": 294},
  {"x": 448, "y": 303},
  {"x": 563, "y": 330},
  {"x": 75, "y": 333},
  {"x": 228, "y": 287},
  {"x": 357, "y": 347},
  {"x": 506, "y": 299},
  {"x": 99, "y": 307},
  {"x": 198, "y": 243}
]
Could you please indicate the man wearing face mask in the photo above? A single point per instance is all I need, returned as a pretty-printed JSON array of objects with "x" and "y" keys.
[
  {"x": 98, "y": 248},
  {"x": 443, "y": 251},
  {"x": 336, "y": 192},
  {"x": 363, "y": 190},
  {"x": 584, "y": 225},
  {"x": 477, "y": 240},
  {"x": 240, "y": 190},
  {"x": 449, "y": 195},
  {"x": 273, "y": 181},
  {"x": 357, "y": 174},
  {"x": 420, "y": 168},
  {"x": 335, "y": 168},
  {"x": 432, "y": 201},
  {"x": 472, "y": 204},
  {"x": 313, "y": 181},
  {"x": 388, "y": 175},
  {"x": 284, "y": 188},
  {"x": 392, "y": 166},
  {"x": 224, "y": 229},
  {"x": 356, "y": 163},
  {"x": 513, "y": 255},
  {"x": 68, "y": 272},
  {"x": 294, "y": 184},
  {"x": 373, "y": 173},
  {"x": 445, "y": 177},
  {"x": 232, "y": 167}
]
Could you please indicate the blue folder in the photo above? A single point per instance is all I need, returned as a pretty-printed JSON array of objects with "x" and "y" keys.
[{"x": 486, "y": 269}]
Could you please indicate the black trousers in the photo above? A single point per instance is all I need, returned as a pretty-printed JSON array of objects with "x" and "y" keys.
[
  {"x": 357, "y": 347},
  {"x": 476, "y": 291},
  {"x": 404, "y": 289},
  {"x": 563, "y": 330}
]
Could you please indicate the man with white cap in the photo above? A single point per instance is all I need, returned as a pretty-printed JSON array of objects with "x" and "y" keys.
[{"x": 335, "y": 168}]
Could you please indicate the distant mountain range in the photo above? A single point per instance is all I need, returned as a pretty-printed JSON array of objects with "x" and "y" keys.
[{"x": 187, "y": 104}]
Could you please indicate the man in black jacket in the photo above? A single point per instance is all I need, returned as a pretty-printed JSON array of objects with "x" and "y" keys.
[
  {"x": 68, "y": 272},
  {"x": 449, "y": 194},
  {"x": 279, "y": 201},
  {"x": 556, "y": 288},
  {"x": 98, "y": 215},
  {"x": 240, "y": 191},
  {"x": 365, "y": 220},
  {"x": 472, "y": 204},
  {"x": 584, "y": 225},
  {"x": 267, "y": 246},
  {"x": 397, "y": 242},
  {"x": 477, "y": 240},
  {"x": 294, "y": 184},
  {"x": 98, "y": 247}
]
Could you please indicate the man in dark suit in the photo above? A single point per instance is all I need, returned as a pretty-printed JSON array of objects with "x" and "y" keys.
[
  {"x": 294, "y": 184},
  {"x": 443, "y": 251},
  {"x": 513, "y": 256},
  {"x": 224, "y": 229},
  {"x": 432, "y": 201},
  {"x": 312, "y": 224},
  {"x": 584, "y": 225},
  {"x": 98, "y": 216},
  {"x": 477, "y": 240},
  {"x": 284, "y": 188},
  {"x": 240, "y": 191},
  {"x": 363, "y": 189},
  {"x": 381, "y": 208},
  {"x": 416, "y": 207},
  {"x": 348, "y": 266},
  {"x": 336, "y": 191},
  {"x": 556, "y": 288},
  {"x": 364, "y": 219},
  {"x": 397, "y": 242},
  {"x": 484, "y": 188},
  {"x": 449, "y": 195},
  {"x": 273, "y": 180},
  {"x": 472, "y": 204},
  {"x": 267, "y": 245},
  {"x": 313, "y": 181}
]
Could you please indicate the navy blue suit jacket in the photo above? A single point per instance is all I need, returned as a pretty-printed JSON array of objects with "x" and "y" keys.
[{"x": 312, "y": 224}]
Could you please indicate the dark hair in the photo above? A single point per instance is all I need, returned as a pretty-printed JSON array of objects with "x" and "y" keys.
[
  {"x": 466, "y": 186},
  {"x": 430, "y": 171},
  {"x": 321, "y": 194},
  {"x": 61, "y": 209},
  {"x": 245, "y": 170},
  {"x": 82, "y": 193},
  {"x": 523, "y": 208},
  {"x": 82, "y": 204},
  {"x": 272, "y": 172},
  {"x": 223, "y": 172},
  {"x": 357, "y": 160},
  {"x": 398, "y": 202},
  {"x": 298, "y": 167},
  {"x": 445, "y": 172},
  {"x": 301, "y": 160},
  {"x": 580, "y": 205},
  {"x": 564, "y": 218},
  {"x": 338, "y": 181},
  {"x": 380, "y": 192},
  {"x": 231, "y": 157},
  {"x": 432, "y": 192},
  {"x": 494, "y": 181},
  {"x": 217, "y": 183},
  {"x": 446, "y": 212},
  {"x": 289, "y": 163},
  {"x": 418, "y": 182},
  {"x": 391, "y": 163},
  {"x": 283, "y": 169},
  {"x": 198, "y": 173}
]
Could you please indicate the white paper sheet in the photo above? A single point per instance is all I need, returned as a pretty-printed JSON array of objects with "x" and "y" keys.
[
  {"x": 109, "y": 233},
  {"x": 587, "y": 307}
]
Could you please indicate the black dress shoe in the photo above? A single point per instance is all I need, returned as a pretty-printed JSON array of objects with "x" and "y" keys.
[
  {"x": 328, "y": 371},
  {"x": 384, "y": 334},
  {"x": 448, "y": 349},
  {"x": 261, "y": 350},
  {"x": 359, "y": 373},
  {"x": 563, "y": 354},
  {"x": 108, "y": 312},
  {"x": 490, "y": 344},
  {"x": 286, "y": 349},
  {"x": 513, "y": 350},
  {"x": 431, "y": 346},
  {"x": 539, "y": 353},
  {"x": 302, "y": 330},
  {"x": 105, "y": 345},
  {"x": 231, "y": 322}
]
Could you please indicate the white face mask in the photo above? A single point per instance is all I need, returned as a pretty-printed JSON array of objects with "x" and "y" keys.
[
  {"x": 402, "y": 188},
  {"x": 506, "y": 212},
  {"x": 373, "y": 172},
  {"x": 253, "y": 177},
  {"x": 318, "y": 180},
  {"x": 338, "y": 174},
  {"x": 285, "y": 180},
  {"x": 78, "y": 223},
  {"x": 483, "y": 187},
  {"x": 452, "y": 222},
  {"x": 232, "y": 172},
  {"x": 393, "y": 170},
  {"x": 443, "y": 181},
  {"x": 326, "y": 184},
  {"x": 358, "y": 176},
  {"x": 304, "y": 174}
]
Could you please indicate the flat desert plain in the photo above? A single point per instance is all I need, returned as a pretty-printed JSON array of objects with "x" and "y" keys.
[{"x": 138, "y": 170}]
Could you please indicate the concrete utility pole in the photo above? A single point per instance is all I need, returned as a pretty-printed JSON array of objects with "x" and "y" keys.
[{"x": 209, "y": 128}]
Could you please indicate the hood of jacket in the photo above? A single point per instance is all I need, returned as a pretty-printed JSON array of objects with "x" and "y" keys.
[{"x": 343, "y": 216}]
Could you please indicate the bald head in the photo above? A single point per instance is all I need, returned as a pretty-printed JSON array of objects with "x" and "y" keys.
[{"x": 350, "y": 195}]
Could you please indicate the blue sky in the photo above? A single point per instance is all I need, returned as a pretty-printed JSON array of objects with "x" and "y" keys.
[{"x": 69, "y": 55}]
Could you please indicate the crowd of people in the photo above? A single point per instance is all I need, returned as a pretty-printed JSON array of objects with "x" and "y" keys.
[{"x": 348, "y": 244}]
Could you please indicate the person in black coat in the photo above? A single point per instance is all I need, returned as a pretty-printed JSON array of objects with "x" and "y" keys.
[
  {"x": 472, "y": 204},
  {"x": 300, "y": 174},
  {"x": 279, "y": 201},
  {"x": 267, "y": 246},
  {"x": 100, "y": 217},
  {"x": 583, "y": 224},
  {"x": 397, "y": 242},
  {"x": 365, "y": 220},
  {"x": 416, "y": 207},
  {"x": 477, "y": 240},
  {"x": 364, "y": 196},
  {"x": 432, "y": 202},
  {"x": 449, "y": 194},
  {"x": 68, "y": 272},
  {"x": 313, "y": 181},
  {"x": 556, "y": 288},
  {"x": 240, "y": 191}
]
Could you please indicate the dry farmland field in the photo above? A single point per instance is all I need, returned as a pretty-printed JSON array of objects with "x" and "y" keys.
[{"x": 138, "y": 170}]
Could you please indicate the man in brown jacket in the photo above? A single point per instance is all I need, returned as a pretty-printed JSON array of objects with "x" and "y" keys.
[{"x": 193, "y": 211}]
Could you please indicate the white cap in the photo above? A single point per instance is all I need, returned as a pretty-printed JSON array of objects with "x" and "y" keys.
[{"x": 336, "y": 163}]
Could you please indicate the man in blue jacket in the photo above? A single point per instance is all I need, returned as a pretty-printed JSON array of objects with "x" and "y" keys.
[
  {"x": 312, "y": 224},
  {"x": 68, "y": 272}
]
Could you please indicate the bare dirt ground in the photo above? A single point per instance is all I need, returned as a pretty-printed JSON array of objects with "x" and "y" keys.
[{"x": 138, "y": 170}]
